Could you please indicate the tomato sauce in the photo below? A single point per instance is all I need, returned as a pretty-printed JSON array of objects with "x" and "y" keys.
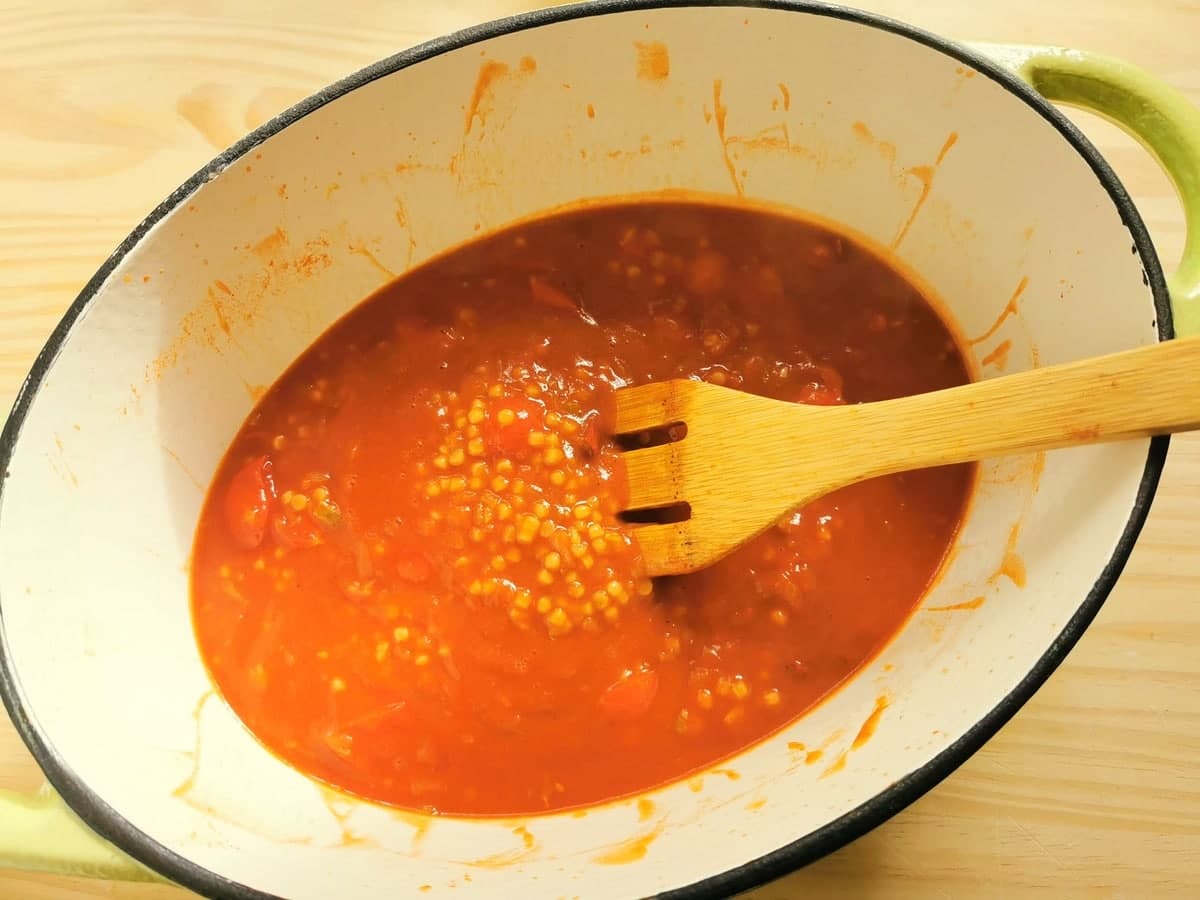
[{"x": 411, "y": 578}]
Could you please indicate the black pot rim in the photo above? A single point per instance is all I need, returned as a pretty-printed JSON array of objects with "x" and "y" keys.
[{"x": 105, "y": 821}]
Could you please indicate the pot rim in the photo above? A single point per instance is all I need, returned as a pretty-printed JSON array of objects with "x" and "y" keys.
[{"x": 106, "y": 822}]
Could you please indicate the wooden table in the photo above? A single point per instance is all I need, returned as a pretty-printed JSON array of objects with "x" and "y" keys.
[{"x": 1093, "y": 790}]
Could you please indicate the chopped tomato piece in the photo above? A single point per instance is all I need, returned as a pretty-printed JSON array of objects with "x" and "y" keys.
[
  {"x": 630, "y": 696},
  {"x": 248, "y": 502}
]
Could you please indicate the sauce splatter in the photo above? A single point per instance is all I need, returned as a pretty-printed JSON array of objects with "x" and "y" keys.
[
  {"x": 719, "y": 113},
  {"x": 951, "y": 140},
  {"x": 190, "y": 782},
  {"x": 868, "y": 727},
  {"x": 591, "y": 111},
  {"x": 342, "y": 808},
  {"x": 836, "y": 766},
  {"x": 271, "y": 244},
  {"x": 962, "y": 76},
  {"x": 210, "y": 323},
  {"x": 755, "y": 805},
  {"x": 999, "y": 356},
  {"x": 419, "y": 822},
  {"x": 509, "y": 857},
  {"x": 219, "y": 312},
  {"x": 653, "y": 61},
  {"x": 403, "y": 221},
  {"x": 786, "y": 95},
  {"x": 924, "y": 174},
  {"x": 966, "y": 604},
  {"x": 361, "y": 250},
  {"x": 645, "y": 809},
  {"x": 886, "y": 148},
  {"x": 1010, "y": 309},
  {"x": 1012, "y": 566},
  {"x": 489, "y": 73},
  {"x": 629, "y": 851}
]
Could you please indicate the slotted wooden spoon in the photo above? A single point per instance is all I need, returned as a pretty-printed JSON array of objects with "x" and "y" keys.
[{"x": 745, "y": 460}]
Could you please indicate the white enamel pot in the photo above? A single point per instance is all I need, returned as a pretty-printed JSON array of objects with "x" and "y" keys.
[{"x": 941, "y": 154}]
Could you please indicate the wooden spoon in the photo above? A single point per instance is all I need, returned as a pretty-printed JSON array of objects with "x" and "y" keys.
[{"x": 746, "y": 460}]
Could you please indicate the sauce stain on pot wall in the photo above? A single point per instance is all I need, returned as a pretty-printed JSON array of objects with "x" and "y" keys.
[
  {"x": 653, "y": 61},
  {"x": 886, "y": 148},
  {"x": 491, "y": 73},
  {"x": 968, "y": 604},
  {"x": 924, "y": 174},
  {"x": 1011, "y": 308},
  {"x": 998, "y": 357},
  {"x": 630, "y": 851},
  {"x": 508, "y": 857}
]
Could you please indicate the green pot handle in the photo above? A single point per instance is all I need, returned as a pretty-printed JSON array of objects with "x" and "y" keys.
[
  {"x": 38, "y": 833},
  {"x": 1158, "y": 115}
]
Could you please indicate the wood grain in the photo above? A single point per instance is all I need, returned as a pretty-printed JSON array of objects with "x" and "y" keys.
[{"x": 1092, "y": 791}]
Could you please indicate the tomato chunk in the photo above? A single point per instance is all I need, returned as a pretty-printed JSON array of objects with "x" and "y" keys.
[
  {"x": 630, "y": 697},
  {"x": 248, "y": 502}
]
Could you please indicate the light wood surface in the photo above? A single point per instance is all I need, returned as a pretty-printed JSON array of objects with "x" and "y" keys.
[
  {"x": 1092, "y": 791},
  {"x": 746, "y": 460}
]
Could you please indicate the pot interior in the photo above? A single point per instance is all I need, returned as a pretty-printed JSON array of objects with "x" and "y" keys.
[{"x": 898, "y": 142}]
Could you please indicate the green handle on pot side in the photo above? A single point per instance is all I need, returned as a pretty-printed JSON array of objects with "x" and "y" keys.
[
  {"x": 1149, "y": 109},
  {"x": 39, "y": 833}
]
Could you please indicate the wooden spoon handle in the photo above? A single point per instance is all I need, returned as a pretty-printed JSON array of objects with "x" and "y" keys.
[{"x": 1135, "y": 393}]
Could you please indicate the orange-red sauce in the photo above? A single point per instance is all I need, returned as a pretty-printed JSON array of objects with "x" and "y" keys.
[{"x": 410, "y": 577}]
